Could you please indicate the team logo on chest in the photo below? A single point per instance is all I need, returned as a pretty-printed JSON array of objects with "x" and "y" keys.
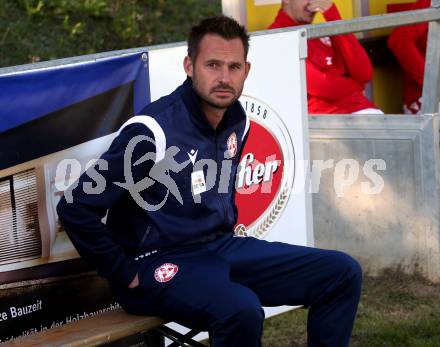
[
  {"x": 193, "y": 155},
  {"x": 165, "y": 272},
  {"x": 232, "y": 145}
]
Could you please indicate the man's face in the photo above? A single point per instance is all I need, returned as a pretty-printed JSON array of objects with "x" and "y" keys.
[
  {"x": 298, "y": 10},
  {"x": 219, "y": 70}
]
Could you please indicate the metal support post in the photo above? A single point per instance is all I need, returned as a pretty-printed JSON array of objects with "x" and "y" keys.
[{"x": 431, "y": 81}]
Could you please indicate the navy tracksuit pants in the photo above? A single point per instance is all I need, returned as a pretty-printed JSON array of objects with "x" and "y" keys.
[{"x": 220, "y": 286}]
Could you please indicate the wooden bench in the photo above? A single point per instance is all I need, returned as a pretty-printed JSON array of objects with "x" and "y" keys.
[{"x": 105, "y": 328}]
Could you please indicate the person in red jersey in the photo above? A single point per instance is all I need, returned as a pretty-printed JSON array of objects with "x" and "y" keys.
[
  {"x": 338, "y": 68},
  {"x": 408, "y": 44}
]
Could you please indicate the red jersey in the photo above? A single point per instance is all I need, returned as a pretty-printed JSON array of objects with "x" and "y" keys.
[
  {"x": 337, "y": 69},
  {"x": 408, "y": 43}
]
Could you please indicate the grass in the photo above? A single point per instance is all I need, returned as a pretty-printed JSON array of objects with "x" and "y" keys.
[{"x": 396, "y": 310}]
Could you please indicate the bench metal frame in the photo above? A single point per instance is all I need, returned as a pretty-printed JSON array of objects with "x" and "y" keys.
[{"x": 179, "y": 340}]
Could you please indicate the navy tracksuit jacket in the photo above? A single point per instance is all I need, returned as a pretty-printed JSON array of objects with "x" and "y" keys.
[{"x": 192, "y": 269}]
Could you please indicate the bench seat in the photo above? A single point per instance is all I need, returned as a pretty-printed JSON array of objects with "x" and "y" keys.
[{"x": 97, "y": 330}]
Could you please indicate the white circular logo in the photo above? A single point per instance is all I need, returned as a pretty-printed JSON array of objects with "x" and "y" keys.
[
  {"x": 232, "y": 145},
  {"x": 165, "y": 272}
]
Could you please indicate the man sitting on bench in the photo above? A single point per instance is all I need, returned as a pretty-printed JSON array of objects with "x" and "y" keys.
[
  {"x": 168, "y": 247},
  {"x": 408, "y": 44}
]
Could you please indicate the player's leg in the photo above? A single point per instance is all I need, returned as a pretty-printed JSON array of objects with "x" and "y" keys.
[
  {"x": 194, "y": 289},
  {"x": 327, "y": 282}
]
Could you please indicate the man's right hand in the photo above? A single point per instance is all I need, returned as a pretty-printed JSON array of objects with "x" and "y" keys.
[
  {"x": 319, "y": 5},
  {"x": 134, "y": 283}
]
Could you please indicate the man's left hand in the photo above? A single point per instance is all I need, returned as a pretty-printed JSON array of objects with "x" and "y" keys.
[
  {"x": 134, "y": 283},
  {"x": 319, "y": 5}
]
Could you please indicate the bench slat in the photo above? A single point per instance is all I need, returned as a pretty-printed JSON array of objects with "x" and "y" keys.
[{"x": 103, "y": 328}]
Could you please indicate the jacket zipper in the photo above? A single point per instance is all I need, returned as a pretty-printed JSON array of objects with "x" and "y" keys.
[
  {"x": 144, "y": 237},
  {"x": 222, "y": 201}
]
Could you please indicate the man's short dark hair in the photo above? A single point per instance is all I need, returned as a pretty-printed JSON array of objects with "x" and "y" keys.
[{"x": 223, "y": 26}]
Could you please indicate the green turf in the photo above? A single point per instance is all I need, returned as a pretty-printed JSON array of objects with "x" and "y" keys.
[{"x": 396, "y": 310}]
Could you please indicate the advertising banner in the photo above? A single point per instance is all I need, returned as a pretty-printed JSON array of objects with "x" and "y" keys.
[{"x": 46, "y": 115}]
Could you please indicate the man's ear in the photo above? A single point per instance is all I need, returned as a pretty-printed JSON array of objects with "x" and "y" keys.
[
  {"x": 247, "y": 69},
  {"x": 188, "y": 66}
]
